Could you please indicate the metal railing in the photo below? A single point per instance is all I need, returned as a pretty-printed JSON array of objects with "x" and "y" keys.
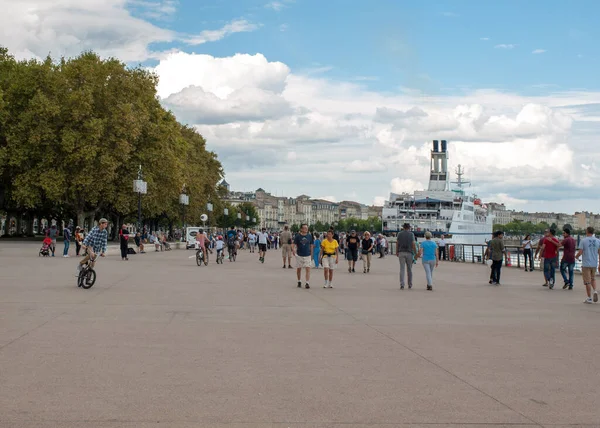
[{"x": 514, "y": 257}]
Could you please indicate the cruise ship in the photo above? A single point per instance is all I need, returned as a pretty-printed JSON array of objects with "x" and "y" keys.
[{"x": 440, "y": 209}]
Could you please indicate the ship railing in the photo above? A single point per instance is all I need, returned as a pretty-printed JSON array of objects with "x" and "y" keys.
[{"x": 514, "y": 257}]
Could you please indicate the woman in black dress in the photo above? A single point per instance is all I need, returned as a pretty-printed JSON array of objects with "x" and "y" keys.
[{"x": 124, "y": 240}]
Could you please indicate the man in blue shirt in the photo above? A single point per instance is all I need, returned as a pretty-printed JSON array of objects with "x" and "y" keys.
[{"x": 303, "y": 249}]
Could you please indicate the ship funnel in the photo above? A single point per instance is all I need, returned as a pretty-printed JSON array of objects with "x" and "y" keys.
[
  {"x": 444, "y": 146},
  {"x": 436, "y": 146}
]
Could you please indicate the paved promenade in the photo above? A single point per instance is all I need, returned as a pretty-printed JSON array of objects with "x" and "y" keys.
[{"x": 160, "y": 342}]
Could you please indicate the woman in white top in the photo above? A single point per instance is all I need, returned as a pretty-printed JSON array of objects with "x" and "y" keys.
[{"x": 528, "y": 252}]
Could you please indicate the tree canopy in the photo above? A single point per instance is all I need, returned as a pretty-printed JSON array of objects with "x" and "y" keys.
[{"x": 74, "y": 131}]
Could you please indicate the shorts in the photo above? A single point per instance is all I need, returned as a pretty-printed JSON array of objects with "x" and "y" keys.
[
  {"x": 328, "y": 262},
  {"x": 262, "y": 247},
  {"x": 352, "y": 254},
  {"x": 303, "y": 262},
  {"x": 589, "y": 273},
  {"x": 286, "y": 250}
]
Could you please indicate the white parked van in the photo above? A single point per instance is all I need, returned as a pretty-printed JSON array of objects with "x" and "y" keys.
[{"x": 190, "y": 237}]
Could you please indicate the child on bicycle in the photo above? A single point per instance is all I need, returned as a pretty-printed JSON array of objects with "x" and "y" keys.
[{"x": 219, "y": 246}]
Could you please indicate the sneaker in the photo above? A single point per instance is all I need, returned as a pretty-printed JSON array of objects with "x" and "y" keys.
[
  {"x": 551, "y": 286},
  {"x": 330, "y": 285},
  {"x": 402, "y": 287},
  {"x": 299, "y": 284},
  {"x": 429, "y": 288},
  {"x": 307, "y": 286},
  {"x": 588, "y": 300},
  {"x": 284, "y": 266},
  {"x": 565, "y": 286},
  {"x": 368, "y": 270},
  {"x": 595, "y": 297},
  {"x": 570, "y": 287},
  {"x": 66, "y": 256},
  {"x": 349, "y": 270},
  {"x": 491, "y": 282},
  {"x": 289, "y": 266},
  {"x": 353, "y": 271},
  {"x": 410, "y": 286},
  {"x": 364, "y": 270},
  {"x": 544, "y": 285},
  {"x": 326, "y": 284}
]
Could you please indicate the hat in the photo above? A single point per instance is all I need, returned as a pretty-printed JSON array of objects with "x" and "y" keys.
[
  {"x": 353, "y": 231},
  {"x": 103, "y": 220}
]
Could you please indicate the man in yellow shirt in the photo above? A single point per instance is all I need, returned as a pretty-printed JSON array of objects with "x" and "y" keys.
[{"x": 329, "y": 258}]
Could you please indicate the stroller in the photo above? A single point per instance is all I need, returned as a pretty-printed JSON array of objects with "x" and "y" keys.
[{"x": 45, "y": 250}]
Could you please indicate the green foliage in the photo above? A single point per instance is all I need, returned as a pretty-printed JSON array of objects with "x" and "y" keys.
[
  {"x": 520, "y": 228},
  {"x": 372, "y": 224},
  {"x": 73, "y": 132},
  {"x": 249, "y": 212}
]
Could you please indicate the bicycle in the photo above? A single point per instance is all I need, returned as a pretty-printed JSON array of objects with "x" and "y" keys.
[
  {"x": 232, "y": 253},
  {"x": 220, "y": 257},
  {"x": 201, "y": 256},
  {"x": 87, "y": 275}
]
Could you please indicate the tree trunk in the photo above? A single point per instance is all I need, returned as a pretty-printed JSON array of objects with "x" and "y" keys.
[{"x": 80, "y": 218}]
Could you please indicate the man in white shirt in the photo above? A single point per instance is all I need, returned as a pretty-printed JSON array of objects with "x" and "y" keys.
[
  {"x": 263, "y": 239},
  {"x": 382, "y": 246},
  {"x": 442, "y": 247},
  {"x": 252, "y": 241}
]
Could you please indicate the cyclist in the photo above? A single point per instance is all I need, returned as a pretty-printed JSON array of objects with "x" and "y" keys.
[
  {"x": 202, "y": 242},
  {"x": 232, "y": 237},
  {"x": 95, "y": 242},
  {"x": 219, "y": 246}
]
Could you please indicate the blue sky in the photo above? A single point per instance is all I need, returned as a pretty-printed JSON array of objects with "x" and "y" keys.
[
  {"x": 341, "y": 99},
  {"x": 433, "y": 46}
]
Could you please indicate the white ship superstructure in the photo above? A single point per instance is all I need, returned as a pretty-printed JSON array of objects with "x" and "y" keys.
[{"x": 439, "y": 209}]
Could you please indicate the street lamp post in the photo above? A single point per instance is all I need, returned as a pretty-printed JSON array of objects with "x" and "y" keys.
[
  {"x": 184, "y": 200},
  {"x": 209, "y": 208},
  {"x": 141, "y": 188}
]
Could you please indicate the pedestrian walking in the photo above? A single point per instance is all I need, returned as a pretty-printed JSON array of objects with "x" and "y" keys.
[
  {"x": 589, "y": 248},
  {"x": 252, "y": 241},
  {"x": 549, "y": 252},
  {"x": 429, "y": 254},
  {"x": 538, "y": 250},
  {"x": 263, "y": 240},
  {"x": 286, "y": 246},
  {"x": 405, "y": 247},
  {"x": 366, "y": 245},
  {"x": 528, "y": 252},
  {"x": 352, "y": 251},
  {"x": 67, "y": 241},
  {"x": 123, "y": 241},
  {"x": 567, "y": 264},
  {"x": 496, "y": 252},
  {"x": 52, "y": 234},
  {"x": 316, "y": 250},
  {"x": 303, "y": 248},
  {"x": 329, "y": 258},
  {"x": 78, "y": 240}
]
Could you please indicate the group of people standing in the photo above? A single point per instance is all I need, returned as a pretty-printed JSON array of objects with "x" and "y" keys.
[{"x": 547, "y": 251}]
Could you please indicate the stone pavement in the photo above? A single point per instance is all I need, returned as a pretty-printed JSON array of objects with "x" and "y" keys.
[{"x": 160, "y": 342}]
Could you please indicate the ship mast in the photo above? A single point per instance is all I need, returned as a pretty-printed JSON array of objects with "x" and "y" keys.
[{"x": 460, "y": 182}]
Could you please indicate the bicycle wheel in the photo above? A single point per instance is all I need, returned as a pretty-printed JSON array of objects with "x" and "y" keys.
[
  {"x": 234, "y": 255},
  {"x": 198, "y": 258},
  {"x": 81, "y": 277},
  {"x": 206, "y": 259},
  {"x": 88, "y": 279}
]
